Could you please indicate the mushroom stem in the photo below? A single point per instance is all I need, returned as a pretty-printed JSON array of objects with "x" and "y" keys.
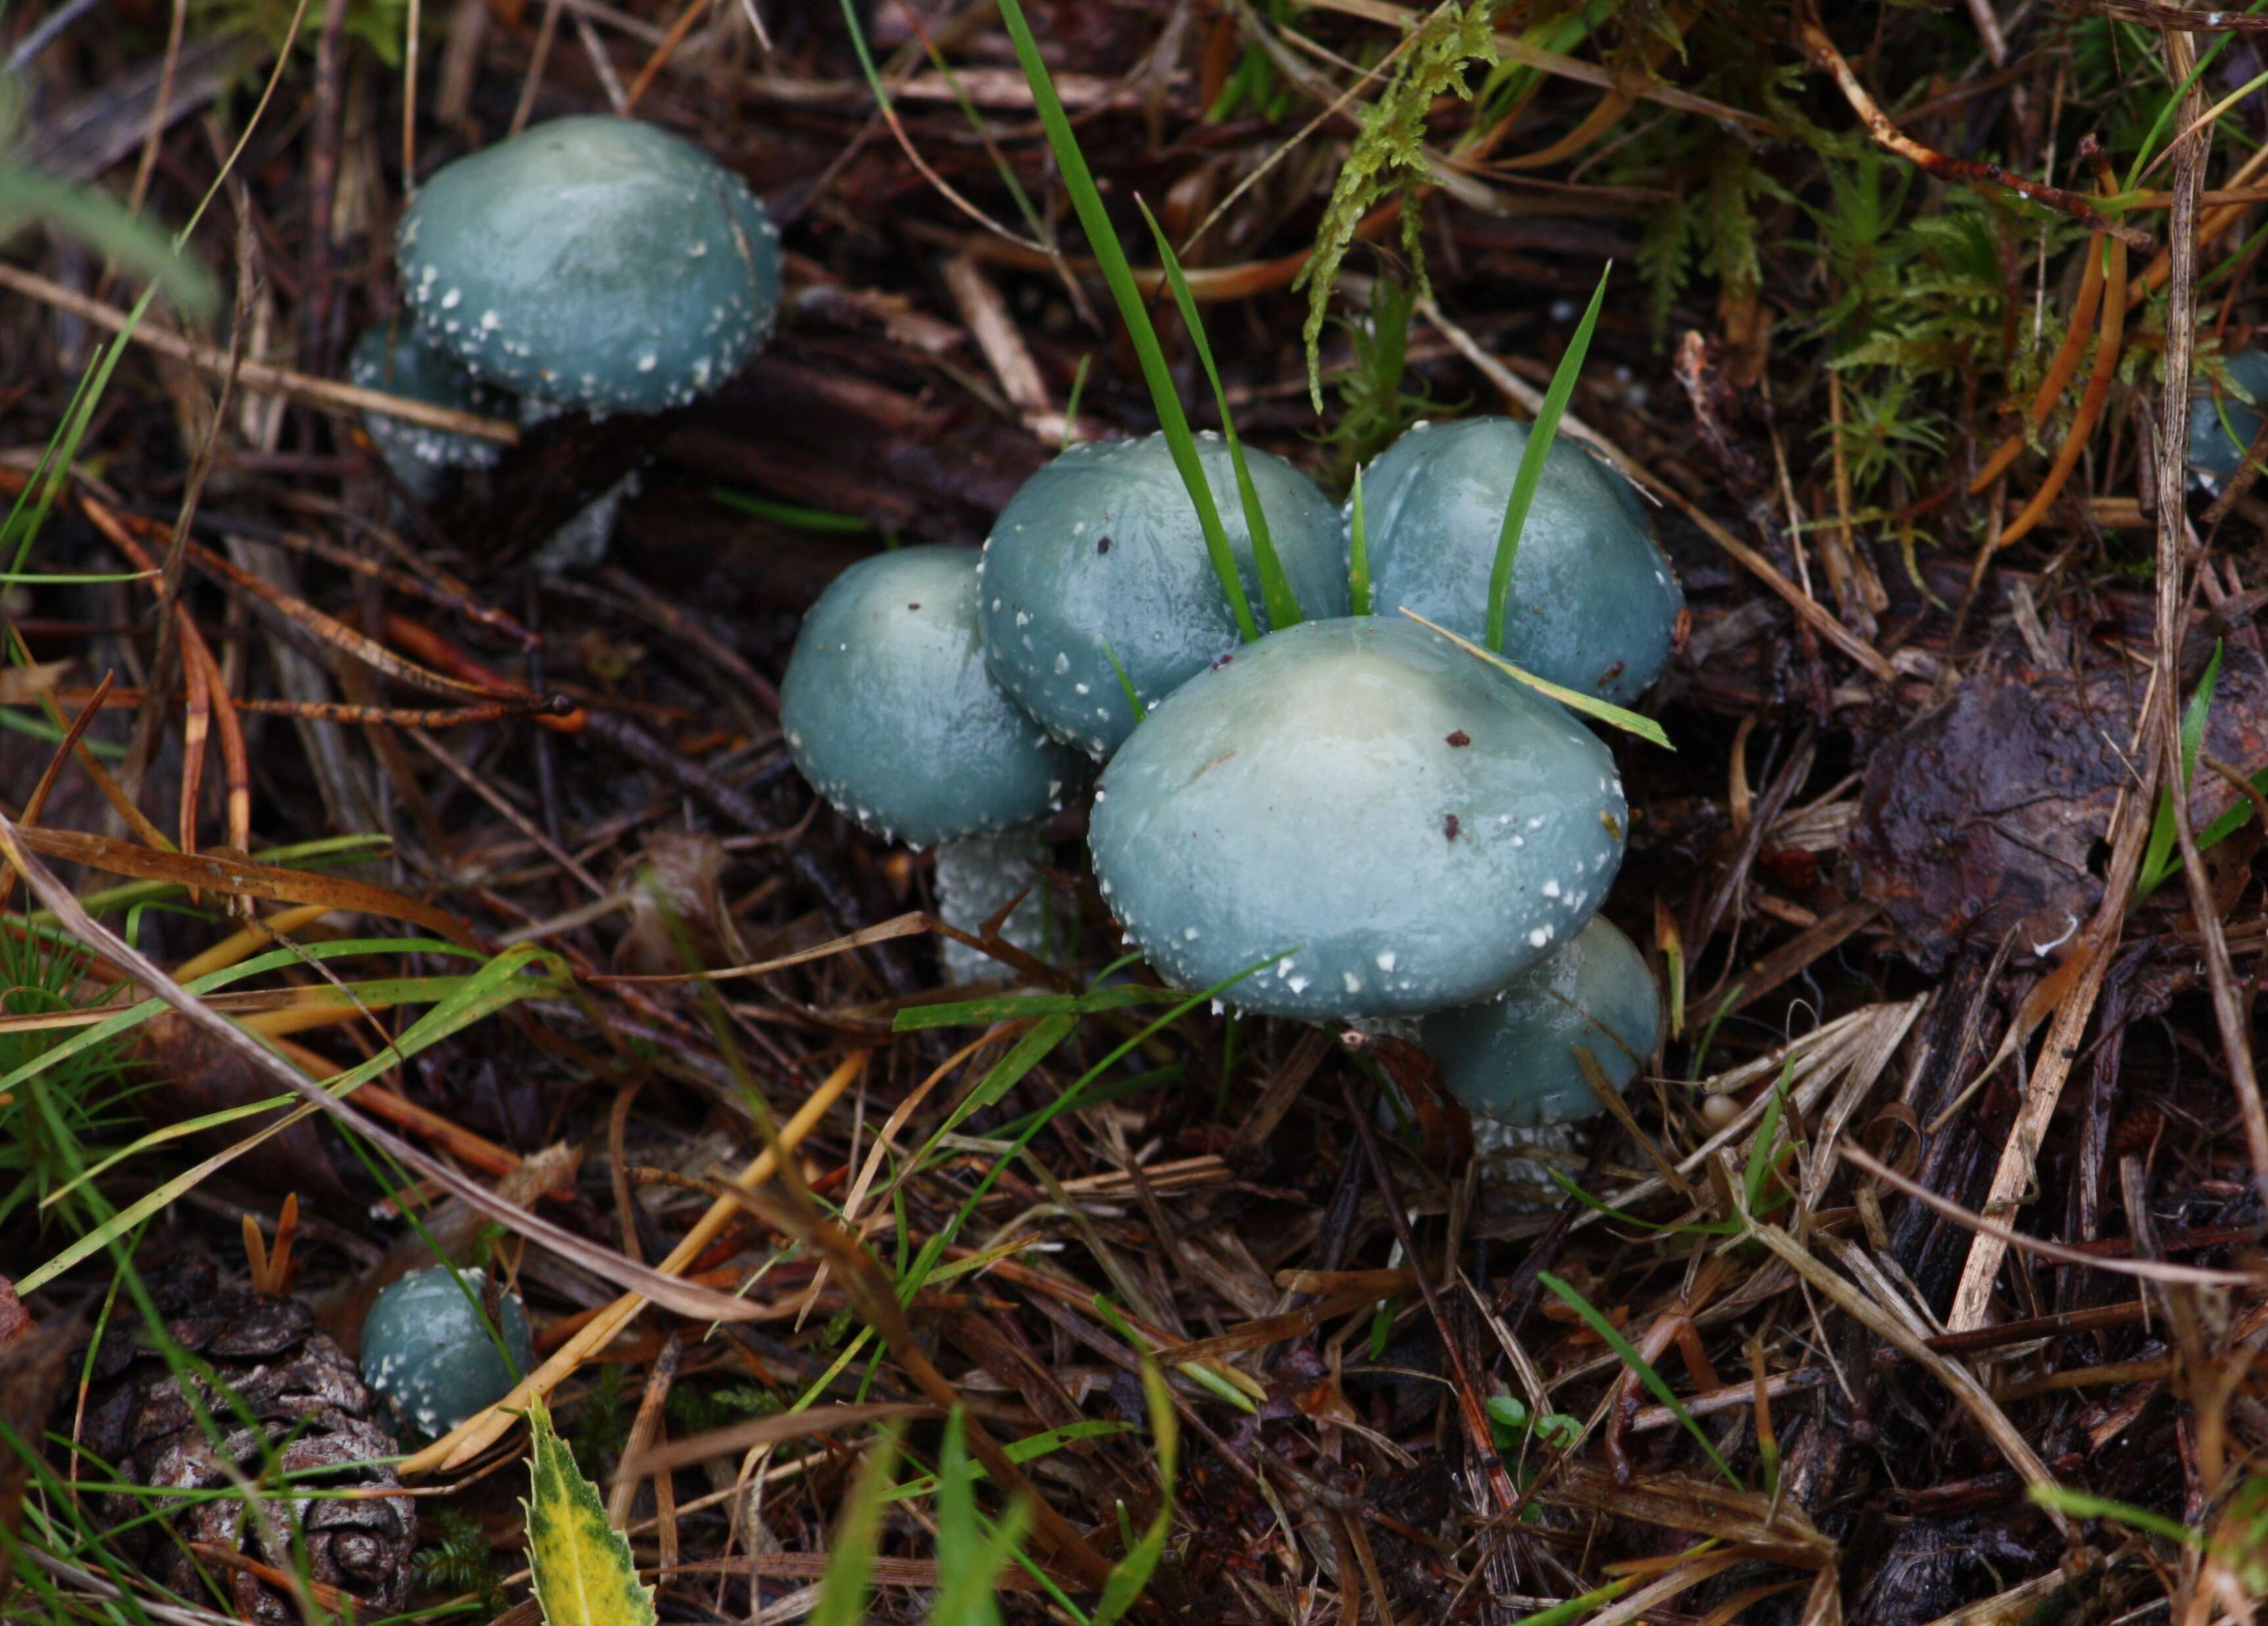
[
  {"x": 1516, "y": 1159},
  {"x": 977, "y": 877}
]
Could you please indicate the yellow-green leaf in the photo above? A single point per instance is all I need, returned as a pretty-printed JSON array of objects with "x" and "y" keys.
[{"x": 585, "y": 1575}]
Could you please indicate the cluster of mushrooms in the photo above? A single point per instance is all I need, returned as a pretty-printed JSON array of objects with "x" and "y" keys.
[
  {"x": 1350, "y": 820},
  {"x": 590, "y": 264}
]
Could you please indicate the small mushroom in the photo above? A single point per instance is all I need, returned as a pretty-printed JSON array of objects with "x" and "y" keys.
[
  {"x": 1099, "y": 555},
  {"x": 889, "y": 712},
  {"x": 402, "y": 360},
  {"x": 1512, "y": 1058},
  {"x": 428, "y": 1354},
  {"x": 2213, "y": 454},
  {"x": 1305, "y": 807},
  {"x": 1592, "y": 607},
  {"x": 597, "y": 263}
]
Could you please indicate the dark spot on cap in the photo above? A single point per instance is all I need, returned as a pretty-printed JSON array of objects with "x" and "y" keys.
[
  {"x": 1461, "y": 738},
  {"x": 1223, "y": 661},
  {"x": 1607, "y": 677},
  {"x": 1102, "y": 544},
  {"x": 913, "y": 606},
  {"x": 1449, "y": 827}
]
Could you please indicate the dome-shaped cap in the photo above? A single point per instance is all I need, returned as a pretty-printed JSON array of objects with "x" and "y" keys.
[
  {"x": 598, "y": 262},
  {"x": 401, "y": 360},
  {"x": 2212, "y": 454},
  {"x": 1512, "y": 1058},
  {"x": 1593, "y": 606},
  {"x": 426, "y": 1352},
  {"x": 1102, "y": 546},
  {"x": 1392, "y": 825},
  {"x": 889, "y": 712}
]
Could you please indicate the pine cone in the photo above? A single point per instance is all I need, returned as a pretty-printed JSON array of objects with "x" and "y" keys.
[{"x": 299, "y": 1386}]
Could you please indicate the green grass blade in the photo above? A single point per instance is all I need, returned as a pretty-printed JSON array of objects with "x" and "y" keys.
[
  {"x": 1358, "y": 550},
  {"x": 933, "y": 1250},
  {"x": 1759, "y": 1170},
  {"x": 1110, "y": 255},
  {"x": 90, "y": 216},
  {"x": 488, "y": 990},
  {"x": 2079, "y": 1504},
  {"x": 1715, "y": 1227},
  {"x": 858, "y": 1535},
  {"x": 1196, "y": 1371},
  {"x": 1031, "y": 1448},
  {"x": 1533, "y": 456},
  {"x": 1027, "y": 1053},
  {"x": 1576, "y": 1608},
  {"x": 1637, "y": 1363},
  {"x": 1131, "y": 1574},
  {"x": 1070, "y": 407},
  {"x": 1013, "y": 1007},
  {"x": 2158, "y": 858},
  {"x": 1275, "y": 587},
  {"x": 1725, "y": 1008},
  {"x": 1126, "y": 685},
  {"x": 1645, "y": 727},
  {"x": 793, "y": 516}
]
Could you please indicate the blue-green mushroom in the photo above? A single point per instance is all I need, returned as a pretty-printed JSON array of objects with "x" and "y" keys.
[
  {"x": 426, "y": 1349},
  {"x": 1592, "y": 606},
  {"x": 1510, "y": 1058},
  {"x": 1381, "y": 823},
  {"x": 597, "y": 263},
  {"x": 892, "y": 716},
  {"x": 2217, "y": 447},
  {"x": 401, "y": 360},
  {"x": 1099, "y": 557}
]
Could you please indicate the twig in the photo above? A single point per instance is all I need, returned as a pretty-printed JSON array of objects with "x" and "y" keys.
[
  {"x": 1988, "y": 29},
  {"x": 2229, "y": 1011},
  {"x": 1968, "y": 172},
  {"x": 322, "y": 187},
  {"x": 2151, "y": 14},
  {"x": 662, "y": 52},
  {"x": 544, "y": 35},
  {"x": 328, "y": 394},
  {"x": 2148, "y": 1269}
]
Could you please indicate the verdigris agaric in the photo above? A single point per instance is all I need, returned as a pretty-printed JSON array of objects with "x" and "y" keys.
[
  {"x": 426, "y": 1351},
  {"x": 2213, "y": 453},
  {"x": 1387, "y": 824},
  {"x": 596, "y": 263},
  {"x": 1099, "y": 555},
  {"x": 402, "y": 361},
  {"x": 892, "y": 716},
  {"x": 1510, "y": 1058},
  {"x": 1592, "y": 606}
]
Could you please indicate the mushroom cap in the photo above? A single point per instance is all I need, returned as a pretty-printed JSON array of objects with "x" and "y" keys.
[
  {"x": 889, "y": 712},
  {"x": 1593, "y": 606},
  {"x": 1103, "y": 546},
  {"x": 2211, "y": 452},
  {"x": 1510, "y": 1058},
  {"x": 403, "y": 359},
  {"x": 598, "y": 262},
  {"x": 426, "y": 1350},
  {"x": 1390, "y": 824}
]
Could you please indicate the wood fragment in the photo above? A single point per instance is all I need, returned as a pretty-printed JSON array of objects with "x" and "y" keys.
[{"x": 1814, "y": 40}]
